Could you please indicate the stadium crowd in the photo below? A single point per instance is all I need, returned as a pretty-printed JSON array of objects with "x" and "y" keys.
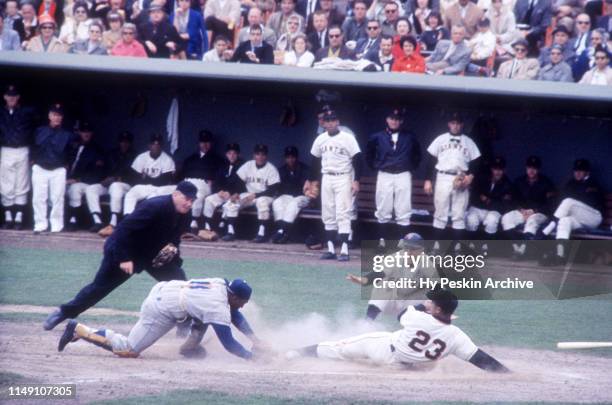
[
  {"x": 68, "y": 174},
  {"x": 551, "y": 40}
]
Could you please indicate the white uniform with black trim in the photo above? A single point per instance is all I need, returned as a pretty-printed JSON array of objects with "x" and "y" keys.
[
  {"x": 454, "y": 154},
  {"x": 171, "y": 301},
  {"x": 150, "y": 168},
  {"x": 422, "y": 339},
  {"x": 257, "y": 180},
  {"x": 336, "y": 153}
]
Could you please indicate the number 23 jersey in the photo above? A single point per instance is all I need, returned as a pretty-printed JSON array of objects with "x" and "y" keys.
[{"x": 424, "y": 338}]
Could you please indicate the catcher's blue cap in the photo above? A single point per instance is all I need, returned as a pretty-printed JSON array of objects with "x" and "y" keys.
[
  {"x": 188, "y": 189},
  {"x": 240, "y": 289}
]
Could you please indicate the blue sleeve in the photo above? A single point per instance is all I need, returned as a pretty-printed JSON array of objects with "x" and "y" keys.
[
  {"x": 229, "y": 343},
  {"x": 241, "y": 323}
]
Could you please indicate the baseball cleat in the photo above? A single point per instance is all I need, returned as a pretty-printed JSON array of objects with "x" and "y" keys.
[
  {"x": 229, "y": 237},
  {"x": 343, "y": 258},
  {"x": 54, "y": 319},
  {"x": 328, "y": 256},
  {"x": 68, "y": 335}
]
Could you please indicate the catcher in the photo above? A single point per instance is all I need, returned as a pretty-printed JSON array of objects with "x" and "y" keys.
[
  {"x": 147, "y": 239},
  {"x": 211, "y": 301}
]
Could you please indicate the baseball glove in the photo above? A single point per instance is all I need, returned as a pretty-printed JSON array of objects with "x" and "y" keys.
[
  {"x": 314, "y": 190},
  {"x": 459, "y": 182},
  {"x": 165, "y": 256},
  {"x": 208, "y": 236}
]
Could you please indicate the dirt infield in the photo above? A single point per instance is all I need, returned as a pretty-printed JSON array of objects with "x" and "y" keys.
[{"x": 537, "y": 375}]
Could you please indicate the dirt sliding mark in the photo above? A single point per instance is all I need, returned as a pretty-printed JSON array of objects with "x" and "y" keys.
[{"x": 537, "y": 375}]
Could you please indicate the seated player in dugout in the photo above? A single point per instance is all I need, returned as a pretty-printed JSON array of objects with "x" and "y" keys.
[
  {"x": 138, "y": 243},
  {"x": 292, "y": 197},
  {"x": 260, "y": 184},
  {"x": 427, "y": 335},
  {"x": 211, "y": 301}
]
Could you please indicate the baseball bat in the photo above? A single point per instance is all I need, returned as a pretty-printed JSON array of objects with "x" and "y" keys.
[{"x": 583, "y": 345}]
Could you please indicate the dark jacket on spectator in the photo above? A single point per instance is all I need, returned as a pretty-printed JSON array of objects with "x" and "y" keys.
[
  {"x": 538, "y": 17},
  {"x": 430, "y": 38},
  {"x": 159, "y": 35},
  {"x": 292, "y": 182},
  {"x": 344, "y": 53},
  {"x": 17, "y": 129},
  {"x": 314, "y": 43},
  {"x": 265, "y": 53},
  {"x": 198, "y": 39}
]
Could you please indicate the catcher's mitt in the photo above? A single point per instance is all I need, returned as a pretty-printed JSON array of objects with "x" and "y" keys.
[
  {"x": 313, "y": 190},
  {"x": 459, "y": 182},
  {"x": 165, "y": 256}
]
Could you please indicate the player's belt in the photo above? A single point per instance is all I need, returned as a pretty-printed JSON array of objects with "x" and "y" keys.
[
  {"x": 449, "y": 172},
  {"x": 336, "y": 174}
]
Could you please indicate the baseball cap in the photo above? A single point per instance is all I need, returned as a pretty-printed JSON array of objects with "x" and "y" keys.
[
  {"x": 57, "y": 108},
  {"x": 396, "y": 113},
  {"x": 156, "y": 138},
  {"x": 411, "y": 241},
  {"x": 11, "y": 90},
  {"x": 126, "y": 136},
  {"x": 291, "y": 151},
  {"x": 533, "y": 161},
  {"x": 330, "y": 115},
  {"x": 498, "y": 163},
  {"x": 84, "y": 126},
  {"x": 455, "y": 116},
  {"x": 240, "y": 289},
  {"x": 443, "y": 298},
  {"x": 232, "y": 146},
  {"x": 205, "y": 136},
  {"x": 582, "y": 164},
  {"x": 260, "y": 148},
  {"x": 188, "y": 189}
]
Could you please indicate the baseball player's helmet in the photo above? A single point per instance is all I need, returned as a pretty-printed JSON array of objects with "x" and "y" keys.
[
  {"x": 443, "y": 298},
  {"x": 205, "y": 136},
  {"x": 57, "y": 108},
  {"x": 126, "y": 136},
  {"x": 291, "y": 151},
  {"x": 232, "y": 146},
  {"x": 583, "y": 165},
  {"x": 240, "y": 289},
  {"x": 188, "y": 189},
  {"x": 156, "y": 138},
  {"x": 11, "y": 91},
  {"x": 260, "y": 148},
  {"x": 533, "y": 161},
  {"x": 498, "y": 163}
]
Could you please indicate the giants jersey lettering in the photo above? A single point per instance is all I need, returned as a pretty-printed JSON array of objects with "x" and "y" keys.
[
  {"x": 454, "y": 153},
  {"x": 153, "y": 168},
  {"x": 258, "y": 179},
  {"x": 336, "y": 152},
  {"x": 424, "y": 338},
  {"x": 204, "y": 299}
]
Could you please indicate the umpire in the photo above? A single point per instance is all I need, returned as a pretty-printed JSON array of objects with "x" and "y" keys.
[{"x": 137, "y": 240}]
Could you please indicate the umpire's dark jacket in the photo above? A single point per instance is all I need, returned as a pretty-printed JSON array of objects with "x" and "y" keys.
[
  {"x": 380, "y": 154},
  {"x": 142, "y": 234}
]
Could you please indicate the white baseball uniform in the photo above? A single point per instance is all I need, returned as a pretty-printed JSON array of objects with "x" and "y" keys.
[
  {"x": 150, "y": 168},
  {"x": 48, "y": 186},
  {"x": 574, "y": 214},
  {"x": 257, "y": 180},
  {"x": 336, "y": 153},
  {"x": 454, "y": 154},
  {"x": 422, "y": 339},
  {"x": 15, "y": 179}
]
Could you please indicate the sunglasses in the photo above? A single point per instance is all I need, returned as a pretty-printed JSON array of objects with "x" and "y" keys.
[
  {"x": 372, "y": 28},
  {"x": 520, "y": 50}
]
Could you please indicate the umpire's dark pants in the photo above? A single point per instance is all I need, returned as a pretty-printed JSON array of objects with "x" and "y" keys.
[{"x": 109, "y": 277}]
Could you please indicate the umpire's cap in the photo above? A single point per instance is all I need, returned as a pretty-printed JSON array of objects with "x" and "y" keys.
[
  {"x": 240, "y": 289},
  {"x": 583, "y": 165},
  {"x": 11, "y": 91},
  {"x": 205, "y": 136},
  {"x": 498, "y": 163},
  {"x": 260, "y": 148},
  {"x": 232, "y": 146},
  {"x": 443, "y": 298},
  {"x": 188, "y": 189},
  {"x": 57, "y": 108},
  {"x": 156, "y": 138},
  {"x": 126, "y": 136},
  {"x": 291, "y": 151},
  {"x": 533, "y": 161}
]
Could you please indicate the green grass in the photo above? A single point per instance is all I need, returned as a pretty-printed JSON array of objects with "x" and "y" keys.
[{"x": 288, "y": 292}]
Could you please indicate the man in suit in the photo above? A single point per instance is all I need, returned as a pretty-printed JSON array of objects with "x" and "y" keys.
[
  {"x": 9, "y": 39},
  {"x": 583, "y": 34},
  {"x": 255, "y": 50},
  {"x": 450, "y": 57},
  {"x": 371, "y": 43},
  {"x": 520, "y": 67},
  {"x": 560, "y": 39},
  {"x": 336, "y": 49},
  {"x": 383, "y": 55},
  {"x": 465, "y": 13},
  {"x": 254, "y": 17},
  {"x": 334, "y": 17},
  {"x": 278, "y": 20},
  {"x": 392, "y": 13},
  {"x": 306, "y": 8},
  {"x": 12, "y": 19},
  {"x": 221, "y": 16},
  {"x": 318, "y": 38},
  {"x": 190, "y": 25},
  {"x": 355, "y": 27},
  {"x": 533, "y": 17},
  {"x": 604, "y": 22}
]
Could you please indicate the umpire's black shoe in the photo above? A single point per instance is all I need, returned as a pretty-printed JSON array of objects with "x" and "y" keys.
[
  {"x": 329, "y": 256},
  {"x": 260, "y": 239},
  {"x": 95, "y": 228},
  {"x": 54, "y": 319},
  {"x": 67, "y": 336}
]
